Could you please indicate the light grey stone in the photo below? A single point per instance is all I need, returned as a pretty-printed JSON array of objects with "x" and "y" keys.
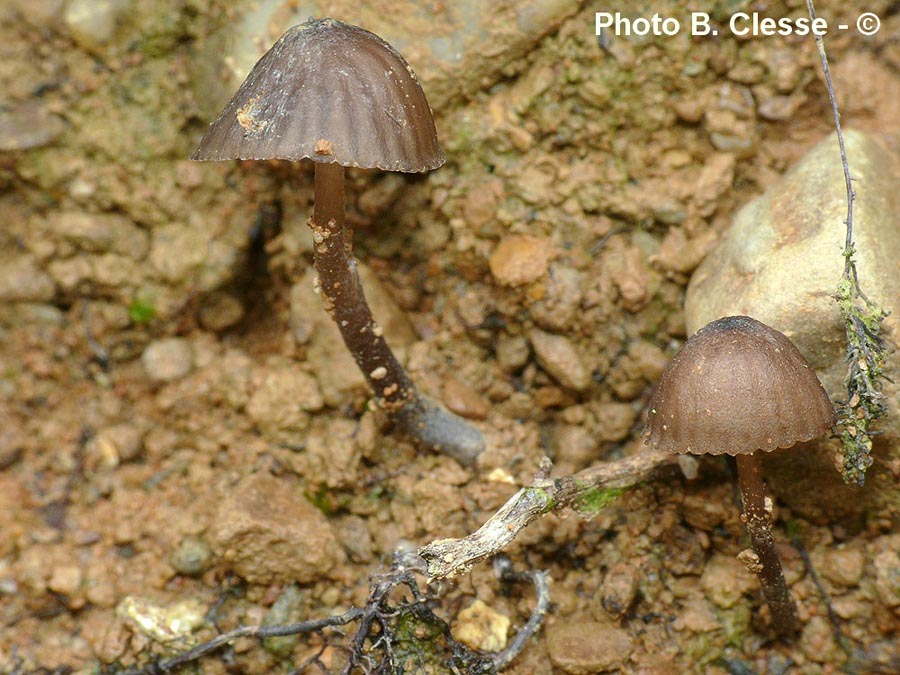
[
  {"x": 22, "y": 280},
  {"x": 461, "y": 54},
  {"x": 168, "y": 359},
  {"x": 780, "y": 262}
]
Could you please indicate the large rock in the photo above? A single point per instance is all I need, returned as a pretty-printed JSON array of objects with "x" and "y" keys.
[
  {"x": 780, "y": 262},
  {"x": 457, "y": 54},
  {"x": 267, "y": 532}
]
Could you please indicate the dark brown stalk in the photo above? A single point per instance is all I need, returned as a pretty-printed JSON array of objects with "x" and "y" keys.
[
  {"x": 767, "y": 565},
  {"x": 345, "y": 302},
  {"x": 342, "y": 293}
]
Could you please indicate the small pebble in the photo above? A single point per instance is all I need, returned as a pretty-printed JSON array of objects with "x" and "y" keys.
[
  {"x": 220, "y": 312},
  {"x": 353, "y": 533},
  {"x": 22, "y": 280},
  {"x": 619, "y": 588},
  {"x": 481, "y": 203},
  {"x": 464, "y": 400},
  {"x": 520, "y": 260},
  {"x": 112, "y": 445},
  {"x": 512, "y": 352},
  {"x": 92, "y": 23},
  {"x": 697, "y": 616},
  {"x": 843, "y": 566},
  {"x": 701, "y": 512},
  {"x": 559, "y": 307},
  {"x": 850, "y": 606},
  {"x": 168, "y": 359},
  {"x": 573, "y": 444},
  {"x": 726, "y": 580},
  {"x": 28, "y": 125},
  {"x": 65, "y": 579},
  {"x": 192, "y": 557},
  {"x": 716, "y": 178},
  {"x": 632, "y": 279},
  {"x": 163, "y": 623},
  {"x": 887, "y": 577},
  {"x": 282, "y": 401},
  {"x": 614, "y": 421},
  {"x": 690, "y": 467},
  {"x": 779, "y": 108},
  {"x": 817, "y": 641},
  {"x": 100, "y": 233},
  {"x": 481, "y": 627},
  {"x": 581, "y": 647},
  {"x": 101, "y": 592},
  {"x": 558, "y": 356}
]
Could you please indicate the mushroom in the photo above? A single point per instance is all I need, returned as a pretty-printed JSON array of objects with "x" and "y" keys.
[
  {"x": 340, "y": 96},
  {"x": 738, "y": 387}
]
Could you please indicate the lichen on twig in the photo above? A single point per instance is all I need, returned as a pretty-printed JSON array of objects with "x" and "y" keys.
[
  {"x": 862, "y": 323},
  {"x": 587, "y": 491},
  {"x": 865, "y": 357}
]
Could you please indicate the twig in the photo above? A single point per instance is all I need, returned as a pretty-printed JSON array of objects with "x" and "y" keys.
[
  {"x": 260, "y": 632},
  {"x": 101, "y": 356},
  {"x": 587, "y": 491},
  {"x": 849, "y": 264},
  {"x": 55, "y": 511},
  {"x": 833, "y": 617},
  {"x": 862, "y": 318},
  {"x": 503, "y": 566}
]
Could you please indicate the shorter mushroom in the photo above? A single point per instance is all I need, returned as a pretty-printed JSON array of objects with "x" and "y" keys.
[{"x": 738, "y": 387}]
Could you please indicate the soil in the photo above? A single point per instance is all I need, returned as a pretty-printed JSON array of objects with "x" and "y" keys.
[{"x": 183, "y": 450}]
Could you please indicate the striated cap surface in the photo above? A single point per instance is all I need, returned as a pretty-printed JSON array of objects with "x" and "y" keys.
[
  {"x": 735, "y": 387},
  {"x": 329, "y": 92}
]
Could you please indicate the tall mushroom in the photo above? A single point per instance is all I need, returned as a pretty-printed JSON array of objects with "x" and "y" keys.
[
  {"x": 739, "y": 387},
  {"x": 343, "y": 97}
]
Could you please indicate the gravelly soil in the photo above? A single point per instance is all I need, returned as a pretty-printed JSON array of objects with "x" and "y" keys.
[{"x": 181, "y": 430}]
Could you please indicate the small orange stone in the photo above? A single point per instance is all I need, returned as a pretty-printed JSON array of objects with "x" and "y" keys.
[
  {"x": 462, "y": 399},
  {"x": 520, "y": 260}
]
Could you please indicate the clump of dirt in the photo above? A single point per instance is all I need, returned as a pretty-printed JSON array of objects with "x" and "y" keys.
[{"x": 179, "y": 437}]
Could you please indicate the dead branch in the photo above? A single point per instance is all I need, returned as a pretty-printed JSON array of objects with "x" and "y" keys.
[
  {"x": 260, "y": 632},
  {"x": 587, "y": 491},
  {"x": 504, "y": 569}
]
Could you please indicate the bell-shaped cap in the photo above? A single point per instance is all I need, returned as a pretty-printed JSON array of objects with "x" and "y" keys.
[
  {"x": 330, "y": 92},
  {"x": 735, "y": 387}
]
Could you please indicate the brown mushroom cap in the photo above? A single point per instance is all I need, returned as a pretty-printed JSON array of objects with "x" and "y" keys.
[
  {"x": 735, "y": 387},
  {"x": 330, "y": 92}
]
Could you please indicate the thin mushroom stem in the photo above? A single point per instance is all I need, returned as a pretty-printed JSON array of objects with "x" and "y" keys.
[
  {"x": 342, "y": 292},
  {"x": 757, "y": 517},
  {"x": 345, "y": 302}
]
